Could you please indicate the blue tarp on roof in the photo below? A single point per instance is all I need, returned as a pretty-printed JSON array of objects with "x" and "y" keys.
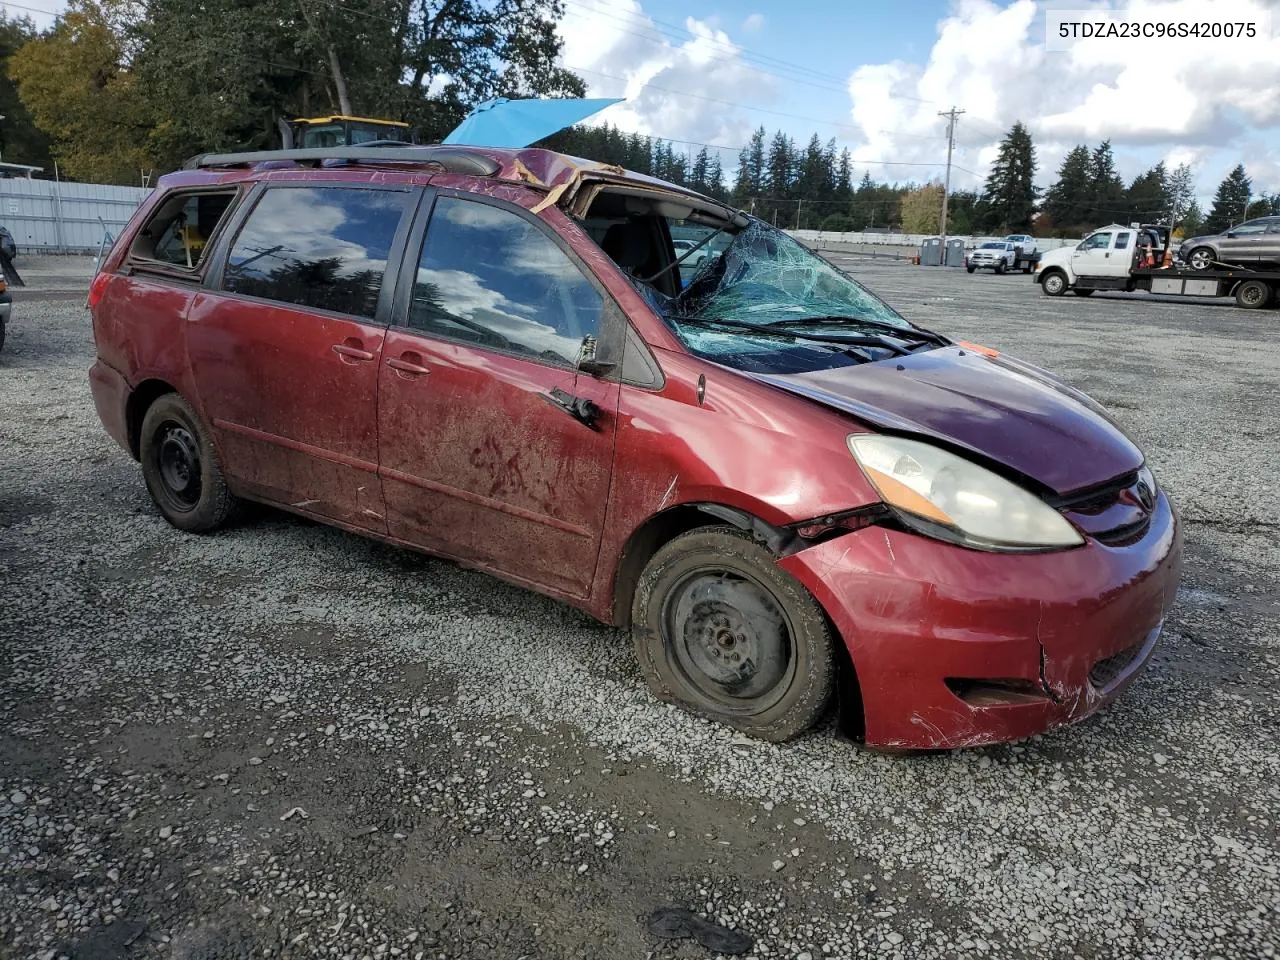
[{"x": 518, "y": 123}]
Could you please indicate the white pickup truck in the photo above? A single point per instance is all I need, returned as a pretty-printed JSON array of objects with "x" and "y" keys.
[
  {"x": 1129, "y": 258},
  {"x": 997, "y": 255}
]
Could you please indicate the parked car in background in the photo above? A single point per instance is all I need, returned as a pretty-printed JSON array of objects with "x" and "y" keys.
[
  {"x": 1025, "y": 243},
  {"x": 997, "y": 255},
  {"x": 7, "y": 247},
  {"x": 785, "y": 492},
  {"x": 695, "y": 259},
  {"x": 6, "y": 309},
  {"x": 1252, "y": 243}
]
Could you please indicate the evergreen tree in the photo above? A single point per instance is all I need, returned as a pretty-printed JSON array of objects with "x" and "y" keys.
[
  {"x": 715, "y": 178},
  {"x": 698, "y": 175},
  {"x": 1010, "y": 192},
  {"x": 1106, "y": 198},
  {"x": 844, "y": 176},
  {"x": 1147, "y": 198},
  {"x": 1064, "y": 201},
  {"x": 1230, "y": 202},
  {"x": 1192, "y": 220},
  {"x": 1182, "y": 192}
]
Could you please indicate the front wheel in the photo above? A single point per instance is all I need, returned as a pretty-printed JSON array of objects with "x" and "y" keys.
[
  {"x": 971, "y": 269},
  {"x": 1000, "y": 267},
  {"x": 721, "y": 630},
  {"x": 1054, "y": 283},
  {"x": 1201, "y": 258},
  {"x": 181, "y": 467}
]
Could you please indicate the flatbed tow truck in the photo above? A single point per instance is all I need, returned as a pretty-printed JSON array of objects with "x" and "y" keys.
[{"x": 1129, "y": 258}]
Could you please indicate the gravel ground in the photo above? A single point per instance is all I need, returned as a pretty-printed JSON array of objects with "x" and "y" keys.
[{"x": 287, "y": 741}]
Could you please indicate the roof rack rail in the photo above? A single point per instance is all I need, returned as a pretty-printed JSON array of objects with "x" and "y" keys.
[{"x": 453, "y": 159}]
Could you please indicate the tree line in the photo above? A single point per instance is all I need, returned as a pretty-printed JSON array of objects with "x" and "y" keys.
[{"x": 117, "y": 89}]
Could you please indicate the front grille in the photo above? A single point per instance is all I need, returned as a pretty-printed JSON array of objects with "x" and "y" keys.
[{"x": 1108, "y": 671}]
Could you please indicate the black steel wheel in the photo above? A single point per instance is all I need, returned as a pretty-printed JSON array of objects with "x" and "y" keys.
[
  {"x": 181, "y": 467},
  {"x": 720, "y": 629},
  {"x": 1253, "y": 294}
]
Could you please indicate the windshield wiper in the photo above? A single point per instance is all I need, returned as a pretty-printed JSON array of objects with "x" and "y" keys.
[
  {"x": 914, "y": 334},
  {"x": 776, "y": 331}
]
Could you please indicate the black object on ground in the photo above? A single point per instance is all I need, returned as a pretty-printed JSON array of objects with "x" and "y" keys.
[{"x": 676, "y": 923}]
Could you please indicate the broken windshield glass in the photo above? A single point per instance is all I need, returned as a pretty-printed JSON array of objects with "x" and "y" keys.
[{"x": 764, "y": 276}]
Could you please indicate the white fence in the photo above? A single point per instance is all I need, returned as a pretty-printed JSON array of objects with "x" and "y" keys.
[
  {"x": 46, "y": 216},
  {"x": 822, "y": 237}
]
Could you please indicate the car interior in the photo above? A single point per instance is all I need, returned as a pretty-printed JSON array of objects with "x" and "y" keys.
[{"x": 179, "y": 231}]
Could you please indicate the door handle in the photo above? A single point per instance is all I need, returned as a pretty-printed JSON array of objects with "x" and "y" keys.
[
  {"x": 406, "y": 366},
  {"x": 353, "y": 349}
]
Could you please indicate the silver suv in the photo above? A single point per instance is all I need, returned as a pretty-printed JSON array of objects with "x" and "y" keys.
[{"x": 1251, "y": 243}]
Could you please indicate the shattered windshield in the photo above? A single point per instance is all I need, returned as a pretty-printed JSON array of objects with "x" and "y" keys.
[
  {"x": 766, "y": 303},
  {"x": 764, "y": 276}
]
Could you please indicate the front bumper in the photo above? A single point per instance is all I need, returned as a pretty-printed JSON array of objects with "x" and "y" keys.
[{"x": 954, "y": 647}]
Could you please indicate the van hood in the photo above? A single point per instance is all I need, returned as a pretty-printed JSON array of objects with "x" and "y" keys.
[{"x": 996, "y": 407}]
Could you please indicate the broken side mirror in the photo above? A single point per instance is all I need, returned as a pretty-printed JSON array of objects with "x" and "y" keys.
[{"x": 589, "y": 363}]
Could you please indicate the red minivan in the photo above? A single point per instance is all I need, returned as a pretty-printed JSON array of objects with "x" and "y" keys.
[{"x": 786, "y": 492}]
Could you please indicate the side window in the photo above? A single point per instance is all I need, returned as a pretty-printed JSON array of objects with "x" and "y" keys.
[
  {"x": 1249, "y": 229},
  {"x": 322, "y": 247},
  {"x": 1274, "y": 228},
  {"x": 491, "y": 277},
  {"x": 1122, "y": 240},
  {"x": 180, "y": 229},
  {"x": 1097, "y": 241}
]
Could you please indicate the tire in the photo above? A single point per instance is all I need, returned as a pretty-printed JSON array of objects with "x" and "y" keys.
[
  {"x": 1253, "y": 294},
  {"x": 181, "y": 467},
  {"x": 1, "y": 334},
  {"x": 1053, "y": 283},
  {"x": 1201, "y": 258},
  {"x": 1000, "y": 267},
  {"x": 971, "y": 269},
  {"x": 1082, "y": 293},
  {"x": 754, "y": 650}
]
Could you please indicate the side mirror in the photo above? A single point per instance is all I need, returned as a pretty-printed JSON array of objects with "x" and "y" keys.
[
  {"x": 1231, "y": 234},
  {"x": 588, "y": 362}
]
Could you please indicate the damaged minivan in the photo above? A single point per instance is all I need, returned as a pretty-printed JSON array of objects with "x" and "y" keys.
[{"x": 789, "y": 496}]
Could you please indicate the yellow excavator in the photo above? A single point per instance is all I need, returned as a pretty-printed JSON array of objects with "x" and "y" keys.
[{"x": 342, "y": 131}]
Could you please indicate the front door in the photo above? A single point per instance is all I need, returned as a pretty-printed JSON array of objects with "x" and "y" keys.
[
  {"x": 1106, "y": 253},
  {"x": 285, "y": 355},
  {"x": 1245, "y": 243},
  {"x": 493, "y": 447}
]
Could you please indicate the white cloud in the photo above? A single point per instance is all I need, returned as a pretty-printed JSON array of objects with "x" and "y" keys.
[
  {"x": 754, "y": 23},
  {"x": 1210, "y": 101},
  {"x": 673, "y": 88}
]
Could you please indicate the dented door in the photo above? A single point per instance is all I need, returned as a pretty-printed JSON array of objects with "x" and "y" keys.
[{"x": 493, "y": 447}]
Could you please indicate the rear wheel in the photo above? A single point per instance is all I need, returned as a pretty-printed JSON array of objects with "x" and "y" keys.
[
  {"x": 1253, "y": 294},
  {"x": 181, "y": 467},
  {"x": 1201, "y": 258},
  {"x": 720, "y": 629},
  {"x": 1053, "y": 283}
]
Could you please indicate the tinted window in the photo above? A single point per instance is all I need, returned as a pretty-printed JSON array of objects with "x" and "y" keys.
[
  {"x": 1098, "y": 241},
  {"x": 490, "y": 277},
  {"x": 1249, "y": 229},
  {"x": 1122, "y": 241},
  {"x": 323, "y": 247}
]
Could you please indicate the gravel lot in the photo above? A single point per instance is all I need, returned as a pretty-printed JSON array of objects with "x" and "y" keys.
[{"x": 287, "y": 741}]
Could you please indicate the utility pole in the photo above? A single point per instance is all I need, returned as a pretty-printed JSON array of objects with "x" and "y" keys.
[
  {"x": 799, "y": 204},
  {"x": 946, "y": 183}
]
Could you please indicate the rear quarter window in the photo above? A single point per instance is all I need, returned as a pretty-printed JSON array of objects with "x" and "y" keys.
[{"x": 181, "y": 229}]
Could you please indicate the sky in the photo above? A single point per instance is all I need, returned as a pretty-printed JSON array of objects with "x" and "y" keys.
[{"x": 874, "y": 75}]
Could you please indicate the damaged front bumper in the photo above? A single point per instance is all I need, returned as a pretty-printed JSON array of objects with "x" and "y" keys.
[{"x": 954, "y": 647}]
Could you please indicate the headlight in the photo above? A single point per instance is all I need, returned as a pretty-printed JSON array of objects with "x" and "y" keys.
[{"x": 945, "y": 496}]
